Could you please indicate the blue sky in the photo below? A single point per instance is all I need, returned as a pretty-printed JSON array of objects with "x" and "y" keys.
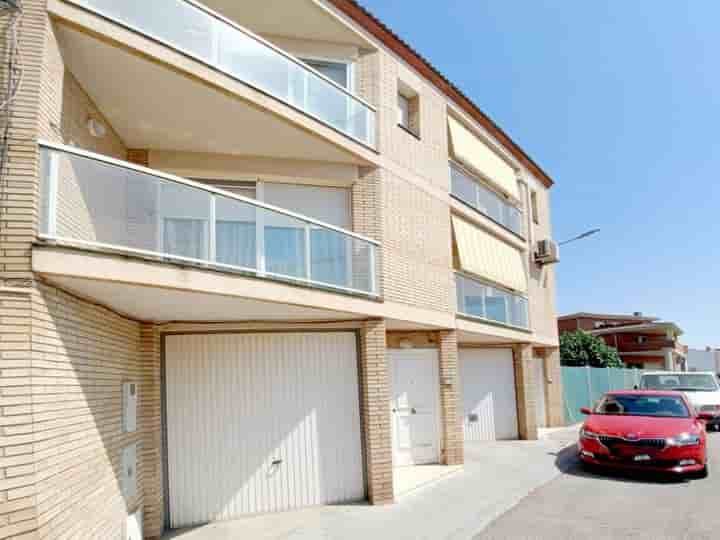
[{"x": 620, "y": 103}]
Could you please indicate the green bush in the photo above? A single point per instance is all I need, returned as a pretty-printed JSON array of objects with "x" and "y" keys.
[{"x": 582, "y": 349}]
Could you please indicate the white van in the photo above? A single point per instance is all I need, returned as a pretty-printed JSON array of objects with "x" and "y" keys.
[{"x": 701, "y": 388}]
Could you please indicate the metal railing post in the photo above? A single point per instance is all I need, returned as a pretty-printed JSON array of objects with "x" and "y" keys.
[
  {"x": 213, "y": 231},
  {"x": 53, "y": 181}
]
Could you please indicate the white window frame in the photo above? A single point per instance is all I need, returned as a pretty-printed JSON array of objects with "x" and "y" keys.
[{"x": 305, "y": 58}]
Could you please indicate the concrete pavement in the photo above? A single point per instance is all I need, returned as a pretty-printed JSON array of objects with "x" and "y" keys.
[
  {"x": 495, "y": 477},
  {"x": 579, "y": 505}
]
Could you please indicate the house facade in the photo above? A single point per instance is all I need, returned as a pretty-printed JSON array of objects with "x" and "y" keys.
[
  {"x": 641, "y": 341},
  {"x": 255, "y": 256}
]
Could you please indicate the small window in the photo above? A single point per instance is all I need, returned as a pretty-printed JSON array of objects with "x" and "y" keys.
[
  {"x": 534, "y": 207},
  {"x": 403, "y": 111},
  {"x": 338, "y": 72},
  {"x": 408, "y": 109}
]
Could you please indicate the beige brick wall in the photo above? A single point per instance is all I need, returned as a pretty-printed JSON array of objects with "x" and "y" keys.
[
  {"x": 525, "y": 391},
  {"x": 542, "y": 285},
  {"x": 375, "y": 412},
  {"x": 450, "y": 400},
  {"x": 554, "y": 388},
  {"x": 17, "y": 462},
  {"x": 416, "y": 246},
  {"x": 150, "y": 424},
  {"x": 81, "y": 355}
]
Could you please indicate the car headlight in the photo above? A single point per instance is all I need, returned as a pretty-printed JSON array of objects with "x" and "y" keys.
[
  {"x": 686, "y": 439},
  {"x": 585, "y": 434}
]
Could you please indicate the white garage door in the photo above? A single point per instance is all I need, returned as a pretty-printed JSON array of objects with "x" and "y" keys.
[
  {"x": 487, "y": 378},
  {"x": 261, "y": 423}
]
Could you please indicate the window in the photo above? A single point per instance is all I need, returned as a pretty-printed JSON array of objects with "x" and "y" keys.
[
  {"x": 408, "y": 109},
  {"x": 338, "y": 72},
  {"x": 534, "y": 207},
  {"x": 638, "y": 405},
  {"x": 471, "y": 190}
]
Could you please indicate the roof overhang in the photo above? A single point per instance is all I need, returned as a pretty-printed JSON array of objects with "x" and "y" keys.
[{"x": 393, "y": 42}]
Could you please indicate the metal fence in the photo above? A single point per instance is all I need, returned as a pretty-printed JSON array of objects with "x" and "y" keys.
[{"x": 584, "y": 386}]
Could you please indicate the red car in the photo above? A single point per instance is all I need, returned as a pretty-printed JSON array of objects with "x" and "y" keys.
[{"x": 645, "y": 430}]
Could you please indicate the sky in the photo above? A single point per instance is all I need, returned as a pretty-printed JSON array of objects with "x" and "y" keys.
[{"x": 619, "y": 102}]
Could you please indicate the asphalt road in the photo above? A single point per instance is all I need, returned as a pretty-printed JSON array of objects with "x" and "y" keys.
[{"x": 589, "y": 506}]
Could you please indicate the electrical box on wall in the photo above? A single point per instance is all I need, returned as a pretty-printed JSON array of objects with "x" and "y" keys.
[
  {"x": 133, "y": 526},
  {"x": 130, "y": 398},
  {"x": 129, "y": 471}
]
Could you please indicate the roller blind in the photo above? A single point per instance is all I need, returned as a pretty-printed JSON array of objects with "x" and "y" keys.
[
  {"x": 484, "y": 255},
  {"x": 472, "y": 152},
  {"x": 328, "y": 204}
]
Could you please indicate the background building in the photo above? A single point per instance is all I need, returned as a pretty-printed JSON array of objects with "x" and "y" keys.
[{"x": 641, "y": 341}]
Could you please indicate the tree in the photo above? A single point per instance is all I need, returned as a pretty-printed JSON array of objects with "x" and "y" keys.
[{"x": 582, "y": 349}]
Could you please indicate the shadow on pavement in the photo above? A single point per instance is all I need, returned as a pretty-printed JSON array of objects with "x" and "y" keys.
[{"x": 568, "y": 462}]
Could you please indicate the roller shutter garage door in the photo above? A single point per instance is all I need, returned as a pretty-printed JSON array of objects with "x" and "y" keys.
[
  {"x": 260, "y": 423},
  {"x": 487, "y": 378}
]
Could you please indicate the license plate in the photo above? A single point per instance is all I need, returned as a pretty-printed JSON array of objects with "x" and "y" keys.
[{"x": 642, "y": 457}]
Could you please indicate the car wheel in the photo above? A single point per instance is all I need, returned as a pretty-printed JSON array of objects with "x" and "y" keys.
[{"x": 702, "y": 473}]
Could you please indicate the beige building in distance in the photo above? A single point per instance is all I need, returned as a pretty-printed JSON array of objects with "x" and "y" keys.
[{"x": 258, "y": 250}]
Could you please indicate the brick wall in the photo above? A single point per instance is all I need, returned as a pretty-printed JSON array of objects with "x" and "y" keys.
[
  {"x": 450, "y": 401},
  {"x": 525, "y": 391},
  {"x": 81, "y": 355},
  {"x": 150, "y": 425},
  {"x": 375, "y": 412},
  {"x": 417, "y": 251},
  {"x": 17, "y": 462},
  {"x": 554, "y": 388}
]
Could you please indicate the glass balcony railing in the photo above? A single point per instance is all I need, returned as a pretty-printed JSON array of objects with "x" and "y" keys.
[
  {"x": 484, "y": 200},
  {"x": 196, "y": 31},
  {"x": 478, "y": 299},
  {"x": 95, "y": 201}
]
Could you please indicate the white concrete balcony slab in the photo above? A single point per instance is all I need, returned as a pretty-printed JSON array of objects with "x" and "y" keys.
[{"x": 198, "y": 32}]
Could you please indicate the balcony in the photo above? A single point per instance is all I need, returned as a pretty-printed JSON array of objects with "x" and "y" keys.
[
  {"x": 95, "y": 202},
  {"x": 483, "y": 301},
  {"x": 198, "y": 32},
  {"x": 472, "y": 192}
]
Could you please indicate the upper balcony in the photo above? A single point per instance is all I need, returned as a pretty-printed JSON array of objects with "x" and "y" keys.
[
  {"x": 98, "y": 203},
  {"x": 174, "y": 75},
  {"x": 470, "y": 190}
]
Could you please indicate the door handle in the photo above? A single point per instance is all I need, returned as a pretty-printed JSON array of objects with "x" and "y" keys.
[
  {"x": 275, "y": 462},
  {"x": 413, "y": 411},
  {"x": 394, "y": 410}
]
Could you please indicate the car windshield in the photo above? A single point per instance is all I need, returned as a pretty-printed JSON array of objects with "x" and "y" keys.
[
  {"x": 637, "y": 405},
  {"x": 699, "y": 382}
]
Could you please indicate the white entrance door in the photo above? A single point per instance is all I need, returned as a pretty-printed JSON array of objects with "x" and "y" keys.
[
  {"x": 540, "y": 396},
  {"x": 487, "y": 378},
  {"x": 414, "y": 406},
  {"x": 261, "y": 423}
]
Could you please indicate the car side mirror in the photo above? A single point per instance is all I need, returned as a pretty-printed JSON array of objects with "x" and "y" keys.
[
  {"x": 585, "y": 410},
  {"x": 706, "y": 416}
]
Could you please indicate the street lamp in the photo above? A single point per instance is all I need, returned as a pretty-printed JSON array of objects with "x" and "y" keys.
[{"x": 580, "y": 236}]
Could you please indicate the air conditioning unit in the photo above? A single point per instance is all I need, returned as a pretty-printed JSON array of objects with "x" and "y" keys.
[{"x": 548, "y": 252}]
